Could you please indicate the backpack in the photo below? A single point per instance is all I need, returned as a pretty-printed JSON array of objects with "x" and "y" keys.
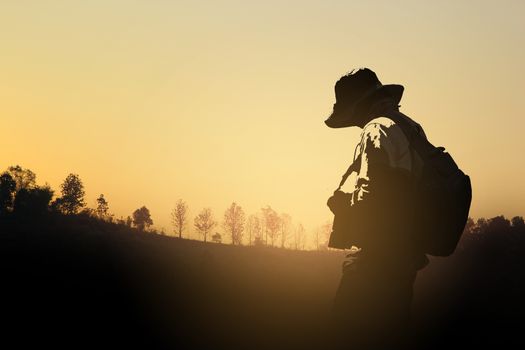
[{"x": 442, "y": 194}]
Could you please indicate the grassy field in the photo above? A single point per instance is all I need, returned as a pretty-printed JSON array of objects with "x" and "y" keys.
[{"x": 109, "y": 286}]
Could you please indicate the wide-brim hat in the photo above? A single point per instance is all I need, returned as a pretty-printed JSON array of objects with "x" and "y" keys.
[{"x": 354, "y": 92}]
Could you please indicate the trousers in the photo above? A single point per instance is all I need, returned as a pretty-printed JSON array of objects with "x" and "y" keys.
[{"x": 373, "y": 300}]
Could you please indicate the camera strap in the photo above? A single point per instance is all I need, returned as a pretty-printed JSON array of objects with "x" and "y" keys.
[{"x": 356, "y": 164}]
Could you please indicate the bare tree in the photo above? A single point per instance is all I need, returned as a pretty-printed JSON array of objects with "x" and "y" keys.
[
  {"x": 303, "y": 241},
  {"x": 271, "y": 223},
  {"x": 285, "y": 223},
  {"x": 258, "y": 230},
  {"x": 326, "y": 230},
  {"x": 317, "y": 234},
  {"x": 234, "y": 223},
  {"x": 179, "y": 217},
  {"x": 204, "y": 222},
  {"x": 322, "y": 235},
  {"x": 299, "y": 237},
  {"x": 254, "y": 228}
]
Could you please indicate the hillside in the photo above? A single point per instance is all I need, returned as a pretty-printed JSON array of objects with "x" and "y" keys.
[{"x": 81, "y": 282}]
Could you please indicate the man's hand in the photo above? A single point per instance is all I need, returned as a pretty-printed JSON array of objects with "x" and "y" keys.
[{"x": 340, "y": 202}]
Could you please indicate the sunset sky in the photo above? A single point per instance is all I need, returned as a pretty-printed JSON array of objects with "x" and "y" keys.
[{"x": 221, "y": 101}]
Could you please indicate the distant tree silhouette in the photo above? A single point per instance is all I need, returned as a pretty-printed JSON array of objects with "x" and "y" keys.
[
  {"x": 7, "y": 191},
  {"x": 326, "y": 229},
  {"x": 204, "y": 222},
  {"x": 129, "y": 221},
  {"x": 24, "y": 178},
  {"x": 299, "y": 237},
  {"x": 469, "y": 226},
  {"x": 481, "y": 225},
  {"x": 469, "y": 233},
  {"x": 102, "y": 207},
  {"x": 32, "y": 201},
  {"x": 498, "y": 224},
  {"x": 271, "y": 223},
  {"x": 234, "y": 223},
  {"x": 121, "y": 221},
  {"x": 217, "y": 238},
  {"x": 253, "y": 227},
  {"x": 89, "y": 212},
  {"x": 72, "y": 199},
  {"x": 494, "y": 234},
  {"x": 322, "y": 234},
  {"x": 142, "y": 218},
  {"x": 179, "y": 217},
  {"x": 317, "y": 237},
  {"x": 518, "y": 222},
  {"x": 495, "y": 250},
  {"x": 285, "y": 225},
  {"x": 259, "y": 241}
]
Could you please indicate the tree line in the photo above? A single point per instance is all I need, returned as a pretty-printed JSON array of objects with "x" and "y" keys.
[
  {"x": 509, "y": 232},
  {"x": 21, "y": 197},
  {"x": 266, "y": 227}
]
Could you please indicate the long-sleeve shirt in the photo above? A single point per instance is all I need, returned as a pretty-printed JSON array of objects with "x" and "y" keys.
[
  {"x": 380, "y": 211},
  {"x": 384, "y": 146}
]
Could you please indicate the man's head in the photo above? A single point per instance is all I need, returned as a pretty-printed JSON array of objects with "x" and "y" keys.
[{"x": 357, "y": 95}]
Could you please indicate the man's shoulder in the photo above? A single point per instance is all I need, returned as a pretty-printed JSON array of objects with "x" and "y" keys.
[
  {"x": 383, "y": 121},
  {"x": 381, "y": 127}
]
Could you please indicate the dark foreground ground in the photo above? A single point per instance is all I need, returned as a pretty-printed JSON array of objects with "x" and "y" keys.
[{"x": 103, "y": 286}]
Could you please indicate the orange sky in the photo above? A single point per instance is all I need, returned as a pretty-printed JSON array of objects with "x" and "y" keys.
[{"x": 151, "y": 101}]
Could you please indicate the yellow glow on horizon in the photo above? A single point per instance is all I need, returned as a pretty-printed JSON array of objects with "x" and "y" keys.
[{"x": 224, "y": 101}]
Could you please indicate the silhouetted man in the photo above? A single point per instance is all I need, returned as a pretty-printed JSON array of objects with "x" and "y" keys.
[{"x": 373, "y": 300}]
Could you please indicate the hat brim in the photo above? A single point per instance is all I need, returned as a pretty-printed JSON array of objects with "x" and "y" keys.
[{"x": 343, "y": 119}]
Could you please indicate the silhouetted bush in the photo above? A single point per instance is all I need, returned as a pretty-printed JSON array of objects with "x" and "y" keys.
[
  {"x": 7, "y": 191},
  {"x": 142, "y": 218},
  {"x": 478, "y": 291},
  {"x": 33, "y": 201}
]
